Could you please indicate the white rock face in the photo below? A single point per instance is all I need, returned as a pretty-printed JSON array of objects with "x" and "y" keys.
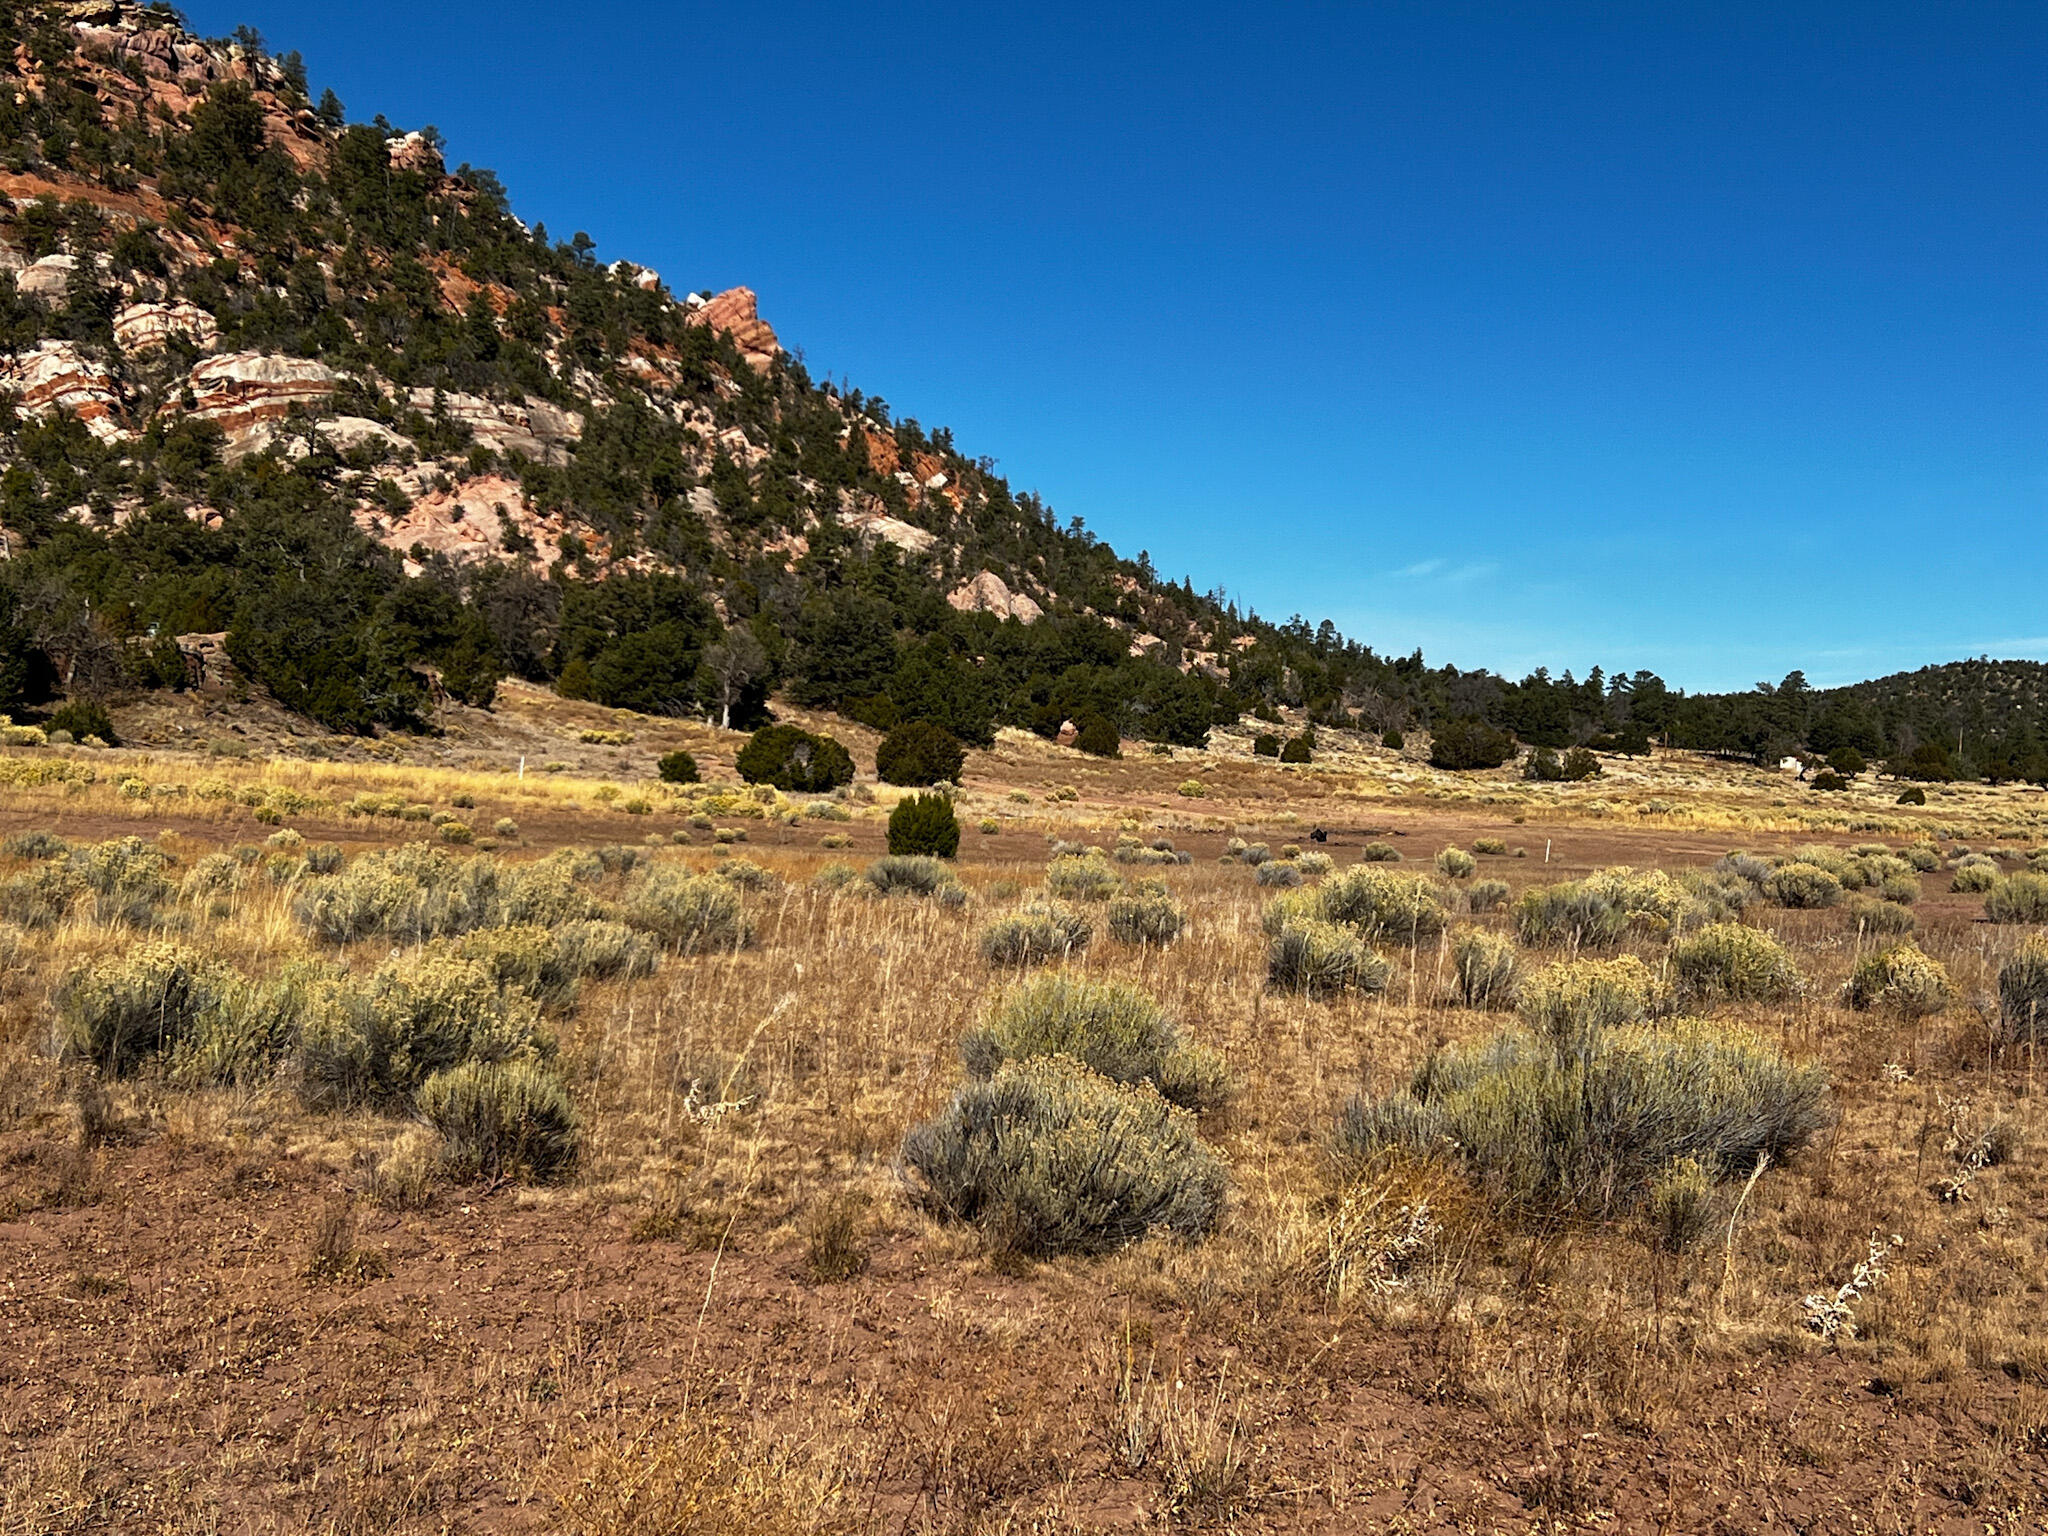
[
  {"x": 989, "y": 593},
  {"x": 48, "y": 279},
  {"x": 149, "y": 327},
  {"x": 534, "y": 429},
  {"x": 893, "y": 530}
]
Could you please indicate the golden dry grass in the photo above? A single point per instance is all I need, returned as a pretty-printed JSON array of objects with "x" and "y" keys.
[{"x": 744, "y": 1108}]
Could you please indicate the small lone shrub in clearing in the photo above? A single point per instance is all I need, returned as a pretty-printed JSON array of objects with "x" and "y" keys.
[
  {"x": 1456, "y": 863},
  {"x": 794, "y": 760},
  {"x": 1913, "y": 794},
  {"x": 1728, "y": 960},
  {"x": 1485, "y": 965},
  {"x": 1899, "y": 979},
  {"x": 140, "y": 1004},
  {"x": 2021, "y": 897},
  {"x": 1392, "y": 741},
  {"x": 1035, "y": 934},
  {"x": 909, "y": 875},
  {"x": 924, "y": 825},
  {"x": 690, "y": 913},
  {"x": 1315, "y": 864},
  {"x": 1110, "y": 1027},
  {"x": 1144, "y": 919},
  {"x": 500, "y": 1118},
  {"x": 1193, "y": 789},
  {"x": 1489, "y": 845},
  {"x": 1266, "y": 744},
  {"x": 456, "y": 832},
  {"x": 1379, "y": 853},
  {"x": 2023, "y": 992},
  {"x": 1082, "y": 877},
  {"x": 1485, "y": 895},
  {"x": 1047, "y": 1157},
  {"x": 1317, "y": 959},
  {"x": 1278, "y": 875},
  {"x": 1299, "y": 749},
  {"x": 676, "y": 768},
  {"x": 1803, "y": 885},
  {"x": 919, "y": 754}
]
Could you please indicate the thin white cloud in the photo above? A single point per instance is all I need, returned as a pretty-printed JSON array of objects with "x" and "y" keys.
[{"x": 1421, "y": 568}]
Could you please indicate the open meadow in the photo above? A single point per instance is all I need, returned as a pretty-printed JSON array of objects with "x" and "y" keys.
[{"x": 394, "y": 1141}]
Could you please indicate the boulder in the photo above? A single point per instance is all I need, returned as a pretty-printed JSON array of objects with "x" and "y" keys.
[
  {"x": 893, "y": 530},
  {"x": 1069, "y": 733}
]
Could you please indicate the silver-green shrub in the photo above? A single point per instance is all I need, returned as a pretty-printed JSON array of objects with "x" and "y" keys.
[
  {"x": 1112, "y": 1028},
  {"x": 1732, "y": 962},
  {"x": 1046, "y": 1157},
  {"x": 501, "y": 1118}
]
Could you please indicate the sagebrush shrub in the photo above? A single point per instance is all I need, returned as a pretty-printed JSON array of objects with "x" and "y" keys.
[
  {"x": 1486, "y": 965},
  {"x": 1112, "y": 1028},
  {"x": 1082, "y": 877},
  {"x": 126, "y": 878},
  {"x": 1144, "y": 918},
  {"x": 1899, "y": 979},
  {"x": 1572, "y": 913},
  {"x": 1315, "y": 865},
  {"x": 2021, "y": 897},
  {"x": 909, "y": 875},
  {"x": 1803, "y": 884},
  {"x": 1278, "y": 875},
  {"x": 1047, "y": 1157},
  {"x": 501, "y": 1117},
  {"x": 1590, "y": 1130},
  {"x": 604, "y": 949},
  {"x": 1573, "y": 1002},
  {"x": 1882, "y": 917},
  {"x": 1385, "y": 906},
  {"x": 1379, "y": 853},
  {"x": 1456, "y": 863},
  {"x": 527, "y": 959},
  {"x": 2023, "y": 992},
  {"x": 124, "y": 1009},
  {"x": 413, "y": 893},
  {"x": 676, "y": 768},
  {"x": 1317, "y": 958},
  {"x": 40, "y": 897},
  {"x": 1974, "y": 876},
  {"x": 1034, "y": 934},
  {"x": 690, "y": 913},
  {"x": 1681, "y": 1204},
  {"x": 1728, "y": 960},
  {"x": 1486, "y": 895}
]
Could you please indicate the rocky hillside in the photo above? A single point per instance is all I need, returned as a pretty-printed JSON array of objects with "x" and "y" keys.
[
  {"x": 230, "y": 314},
  {"x": 286, "y": 401}
]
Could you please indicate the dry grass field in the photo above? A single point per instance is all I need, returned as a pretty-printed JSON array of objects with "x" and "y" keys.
[{"x": 231, "y": 1300}]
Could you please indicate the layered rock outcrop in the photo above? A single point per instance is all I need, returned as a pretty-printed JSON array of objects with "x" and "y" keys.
[
  {"x": 241, "y": 390},
  {"x": 58, "y": 376},
  {"x": 534, "y": 429},
  {"x": 736, "y": 312},
  {"x": 149, "y": 327}
]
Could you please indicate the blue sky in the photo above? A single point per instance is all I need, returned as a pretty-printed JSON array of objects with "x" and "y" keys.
[{"x": 1701, "y": 337}]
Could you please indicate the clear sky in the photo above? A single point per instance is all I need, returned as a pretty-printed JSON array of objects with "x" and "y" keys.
[{"x": 1701, "y": 337}]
